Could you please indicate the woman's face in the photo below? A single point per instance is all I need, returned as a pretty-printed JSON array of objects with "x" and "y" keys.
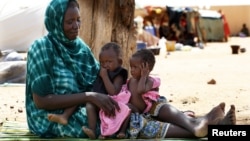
[{"x": 71, "y": 23}]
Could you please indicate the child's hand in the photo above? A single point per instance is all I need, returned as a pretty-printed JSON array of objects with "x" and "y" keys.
[
  {"x": 103, "y": 72},
  {"x": 144, "y": 70}
]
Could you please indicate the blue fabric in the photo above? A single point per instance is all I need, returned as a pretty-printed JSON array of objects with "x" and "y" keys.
[{"x": 144, "y": 127}]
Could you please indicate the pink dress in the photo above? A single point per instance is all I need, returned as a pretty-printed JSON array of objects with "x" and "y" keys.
[
  {"x": 109, "y": 126},
  {"x": 151, "y": 95}
]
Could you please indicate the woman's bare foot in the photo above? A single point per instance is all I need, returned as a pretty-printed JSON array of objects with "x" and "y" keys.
[
  {"x": 212, "y": 118},
  {"x": 121, "y": 135},
  {"x": 90, "y": 133},
  {"x": 58, "y": 118},
  {"x": 230, "y": 117}
]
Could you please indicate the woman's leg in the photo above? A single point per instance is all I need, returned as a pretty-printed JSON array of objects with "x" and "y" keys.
[{"x": 197, "y": 126}]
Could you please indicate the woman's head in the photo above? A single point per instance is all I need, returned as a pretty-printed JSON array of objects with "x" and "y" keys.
[
  {"x": 72, "y": 21},
  {"x": 142, "y": 56},
  {"x": 110, "y": 56},
  {"x": 62, "y": 19}
]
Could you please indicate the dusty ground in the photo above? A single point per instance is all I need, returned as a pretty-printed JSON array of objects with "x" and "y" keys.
[{"x": 184, "y": 76}]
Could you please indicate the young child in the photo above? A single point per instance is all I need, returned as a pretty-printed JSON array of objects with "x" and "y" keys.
[
  {"x": 145, "y": 99},
  {"x": 112, "y": 78}
]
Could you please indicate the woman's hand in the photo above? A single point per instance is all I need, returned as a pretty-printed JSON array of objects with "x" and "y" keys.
[
  {"x": 106, "y": 103},
  {"x": 54, "y": 102}
]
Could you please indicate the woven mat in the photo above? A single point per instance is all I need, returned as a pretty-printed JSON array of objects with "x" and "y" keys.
[{"x": 18, "y": 131}]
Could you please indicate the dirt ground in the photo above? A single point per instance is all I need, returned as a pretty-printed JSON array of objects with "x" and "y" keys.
[{"x": 184, "y": 81}]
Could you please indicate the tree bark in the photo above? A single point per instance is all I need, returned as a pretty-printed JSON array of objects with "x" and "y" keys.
[{"x": 106, "y": 21}]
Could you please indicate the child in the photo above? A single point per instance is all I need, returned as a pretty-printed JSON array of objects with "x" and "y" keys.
[
  {"x": 111, "y": 79},
  {"x": 145, "y": 99}
]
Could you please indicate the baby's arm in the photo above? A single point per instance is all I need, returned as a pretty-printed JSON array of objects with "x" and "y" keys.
[{"x": 112, "y": 88}]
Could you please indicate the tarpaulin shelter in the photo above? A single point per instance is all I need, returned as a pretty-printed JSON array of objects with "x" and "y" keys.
[
  {"x": 21, "y": 22},
  {"x": 207, "y": 25},
  {"x": 211, "y": 24}
]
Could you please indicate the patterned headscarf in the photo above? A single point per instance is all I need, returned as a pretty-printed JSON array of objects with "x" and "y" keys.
[
  {"x": 54, "y": 19},
  {"x": 74, "y": 54},
  {"x": 59, "y": 66}
]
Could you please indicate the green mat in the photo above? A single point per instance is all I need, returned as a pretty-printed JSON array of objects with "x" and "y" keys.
[{"x": 18, "y": 131}]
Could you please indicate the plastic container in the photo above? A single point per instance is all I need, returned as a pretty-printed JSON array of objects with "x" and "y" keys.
[
  {"x": 235, "y": 49},
  {"x": 170, "y": 45},
  {"x": 141, "y": 45},
  {"x": 155, "y": 50}
]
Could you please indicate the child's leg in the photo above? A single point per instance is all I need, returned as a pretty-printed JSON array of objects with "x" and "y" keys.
[
  {"x": 196, "y": 126},
  {"x": 92, "y": 118},
  {"x": 62, "y": 118},
  {"x": 175, "y": 131},
  {"x": 122, "y": 132}
]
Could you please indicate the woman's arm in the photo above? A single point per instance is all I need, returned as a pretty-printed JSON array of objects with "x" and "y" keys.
[{"x": 53, "y": 102}]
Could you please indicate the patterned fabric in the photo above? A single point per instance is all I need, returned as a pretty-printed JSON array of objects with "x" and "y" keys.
[
  {"x": 155, "y": 108},
  {"x": 143, "y": 127},
  {"x": 57, "y": 65}
]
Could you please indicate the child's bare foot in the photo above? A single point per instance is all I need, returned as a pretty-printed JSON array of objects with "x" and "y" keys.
[
  {"x": 57, "y": 118},
  {"x": 189, "y": 113},
  {"x": 121, "y": 135},
  {"x": 230, "y": 117},
  {"x": 102, "y": 137},
  {"x": 90, "y": 133},
  {"x": 213, "y": 117}
]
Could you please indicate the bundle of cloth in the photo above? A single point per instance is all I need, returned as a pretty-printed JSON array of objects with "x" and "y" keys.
[{"x": 12, "y": 67}]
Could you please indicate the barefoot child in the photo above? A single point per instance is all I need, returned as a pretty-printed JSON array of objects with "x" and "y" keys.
[
  {"x": 112, "y": 77},
  {"x": 144, "y": 100}
]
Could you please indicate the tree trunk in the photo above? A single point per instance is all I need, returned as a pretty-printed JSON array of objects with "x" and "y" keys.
[{"x": 104, "y": 21}]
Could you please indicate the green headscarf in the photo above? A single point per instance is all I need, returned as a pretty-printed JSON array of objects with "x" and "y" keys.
[
  {"x": 75, "y": 54},
  {"x": 57, "y": 65}
]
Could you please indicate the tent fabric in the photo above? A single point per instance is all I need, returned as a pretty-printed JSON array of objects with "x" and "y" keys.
[
  {"x": 214, "y": 30},
  {"x": 20, "y": 25},
  {"x": 12, "y": 72}
]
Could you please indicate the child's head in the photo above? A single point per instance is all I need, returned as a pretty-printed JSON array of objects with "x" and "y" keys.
[
  {"x": 110, "y": 56},
  {"x": 140, "y": 57}
]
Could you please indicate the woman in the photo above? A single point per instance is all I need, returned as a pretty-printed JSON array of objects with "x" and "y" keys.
[{"x": 60, "y": 72}]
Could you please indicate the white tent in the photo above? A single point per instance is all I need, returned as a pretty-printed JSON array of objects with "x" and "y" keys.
[
  {"x": 188, "y": 3},
  {"x": 21, "y": 22}
]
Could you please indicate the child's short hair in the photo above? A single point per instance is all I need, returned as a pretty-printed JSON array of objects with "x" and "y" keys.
[
  {"x": 113, "y": 45},
  {"x": 147, "y": 56}
]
